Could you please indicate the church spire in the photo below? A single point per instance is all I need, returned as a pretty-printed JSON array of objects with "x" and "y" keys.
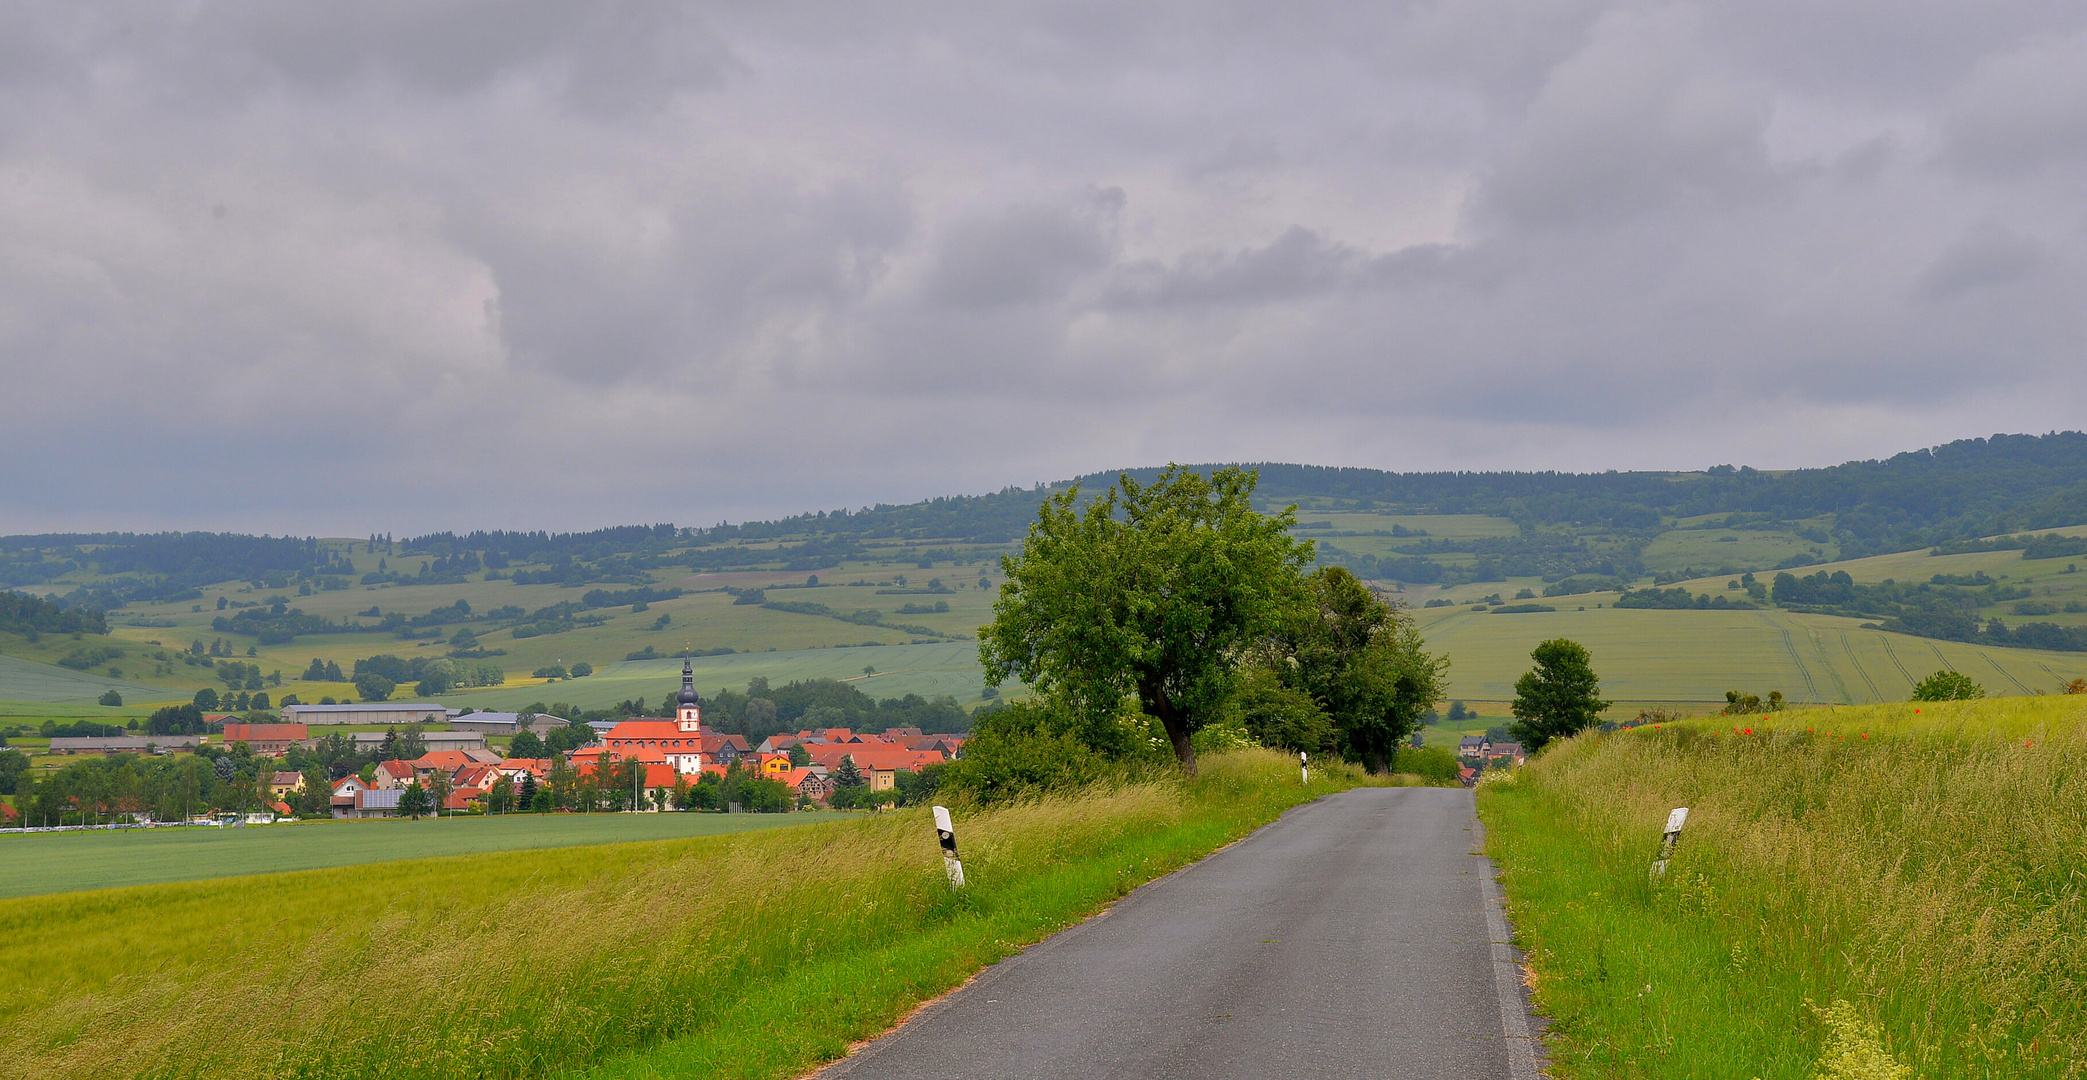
[{"x": 688, "y": 706}]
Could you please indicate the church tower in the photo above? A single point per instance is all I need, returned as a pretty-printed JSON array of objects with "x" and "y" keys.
[{"x": 688, "y": 711}]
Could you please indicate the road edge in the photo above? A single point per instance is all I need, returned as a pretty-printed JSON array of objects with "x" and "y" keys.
[{"x": 1523, "y": 1043}]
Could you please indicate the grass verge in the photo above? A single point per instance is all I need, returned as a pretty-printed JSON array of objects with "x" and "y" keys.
[
  {"x": 754, "y": 955},
  {"x": 1888, "y": 890}
]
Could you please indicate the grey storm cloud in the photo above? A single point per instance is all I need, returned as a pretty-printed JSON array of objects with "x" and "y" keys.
[{"x": 341, "y": 268}]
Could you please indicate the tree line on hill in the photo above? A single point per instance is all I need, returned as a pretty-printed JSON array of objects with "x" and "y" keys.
[
  {"x": 33, "y": 616},
  {"x": 1938, "y": 497}
]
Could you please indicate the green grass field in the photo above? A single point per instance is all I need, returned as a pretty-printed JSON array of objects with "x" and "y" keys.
[
  {"x": 26, "y": 681},
  {"x": 37, "y": 863},
  {"x": 1858, "y": 891},
  {"x": 757, "y": 955},
  {"x": 928, "y": 670}
]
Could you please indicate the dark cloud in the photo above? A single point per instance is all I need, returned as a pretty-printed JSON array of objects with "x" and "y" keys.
[{"x": 395, "y": 265}]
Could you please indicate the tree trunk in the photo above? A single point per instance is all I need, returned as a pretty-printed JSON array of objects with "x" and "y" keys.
[{"x": 1177, "y": 732}]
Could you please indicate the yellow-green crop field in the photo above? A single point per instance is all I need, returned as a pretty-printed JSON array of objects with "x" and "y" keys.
[
  {"x": 1650, "y": 655},
  {"x": 1880, "y": 891}
]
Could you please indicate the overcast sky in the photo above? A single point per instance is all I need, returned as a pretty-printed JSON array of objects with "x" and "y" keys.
[{"x": 396, "y": 266}]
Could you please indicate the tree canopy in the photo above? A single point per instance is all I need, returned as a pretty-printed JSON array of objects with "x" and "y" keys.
[
  {"x": 1147, "y": 594},
  {"x": 1559, "y": 697},
  {"x": 1362, "y": 661}
]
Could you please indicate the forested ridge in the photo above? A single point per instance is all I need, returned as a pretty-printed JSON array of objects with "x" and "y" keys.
[{"x": 1941, "y": 496}]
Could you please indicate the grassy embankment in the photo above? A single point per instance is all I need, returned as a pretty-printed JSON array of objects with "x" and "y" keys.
[
  {"x": 756, "y": 955},
  {"x": 1928, "y": 875}
]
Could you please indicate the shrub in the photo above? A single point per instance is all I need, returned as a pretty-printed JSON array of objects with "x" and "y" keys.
[
  {"x": 1023, "y": 748},
  {"x": 111, "y": 697},
  {"x": 1947, "y": 685}
]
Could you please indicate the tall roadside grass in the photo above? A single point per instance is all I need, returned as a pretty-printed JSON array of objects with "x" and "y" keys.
[
  {"x": 754, "y": 955},
  {"x": 1910, "y": 879}
]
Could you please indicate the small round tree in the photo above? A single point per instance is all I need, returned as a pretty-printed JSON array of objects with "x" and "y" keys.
[
  {"x": 1947, "y": 685},
  {"x": 1558, "y": 698}
]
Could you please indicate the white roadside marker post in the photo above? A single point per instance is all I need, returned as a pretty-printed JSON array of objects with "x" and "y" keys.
[
  {"x": 947, "y": 834},
  {"x": 1675, "y": 819},
  {"x": 1304, "y": 768}
]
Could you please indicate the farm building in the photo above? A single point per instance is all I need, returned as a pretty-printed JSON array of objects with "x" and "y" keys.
[
  {"x": 268, "y": 740},
  {"x": 506, "y": 723},
  {"x": 123, "y": 744},
  {"x": 374, "y": 712},
  {"x": 433, "y": 740}
]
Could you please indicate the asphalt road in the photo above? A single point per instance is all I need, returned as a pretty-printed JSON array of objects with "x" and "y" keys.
[{"x": 1359, "y": 936}]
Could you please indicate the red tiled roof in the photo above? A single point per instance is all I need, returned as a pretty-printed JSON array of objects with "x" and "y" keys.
[
  {"x": 796, "y": 777},
  {"x": 477, "y": 776},
  {"x": 446, "y": 760},
  {"x": 647, "y": 729},
  {"x": 873, "y": 755},
  {"x": 396, "y": 769},
  {"x": 264, "y": 732}
]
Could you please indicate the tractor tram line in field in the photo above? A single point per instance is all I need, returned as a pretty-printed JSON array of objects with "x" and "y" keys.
[
  {"x": 2005, "y": 673},
  {"x": 1811, "y": 687},
  {"x": 1854, "y": 661},
  {"x": 1897, "y": 663},
  {"x": 1833, "y": 671}
]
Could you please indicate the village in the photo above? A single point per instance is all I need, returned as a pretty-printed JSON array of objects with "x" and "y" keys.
[{"x": 635, "y": 765}]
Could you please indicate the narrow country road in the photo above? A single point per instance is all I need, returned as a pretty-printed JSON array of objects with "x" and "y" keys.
[{"x": 1359, "y": 936}]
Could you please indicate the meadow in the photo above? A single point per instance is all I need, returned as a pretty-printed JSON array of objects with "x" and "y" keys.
[
  {"x": 949, "y": 668},
  {"x": 752, "y": 955},
  {"x": 24, "y": 680},
  {"x": 38, "y": 863},
  {"x": 1887, "y": 891}
]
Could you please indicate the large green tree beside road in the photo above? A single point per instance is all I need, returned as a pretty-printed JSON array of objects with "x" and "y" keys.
[
  {"x": 1558, "y": 698},
  {"x": 1362, "y": 661},
  {"x": 1150, "y": 593}
]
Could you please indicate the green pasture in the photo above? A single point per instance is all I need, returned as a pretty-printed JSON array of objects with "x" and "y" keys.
[
  {"x": 33, "y": 864},
  {"x": 701, "y": 620},
  {"x": 1646, "y": 655},
  {"x": 1681, "y": 548},
  {"x": 26, "y": 680},
  {"x": 928, "y": 670}
]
